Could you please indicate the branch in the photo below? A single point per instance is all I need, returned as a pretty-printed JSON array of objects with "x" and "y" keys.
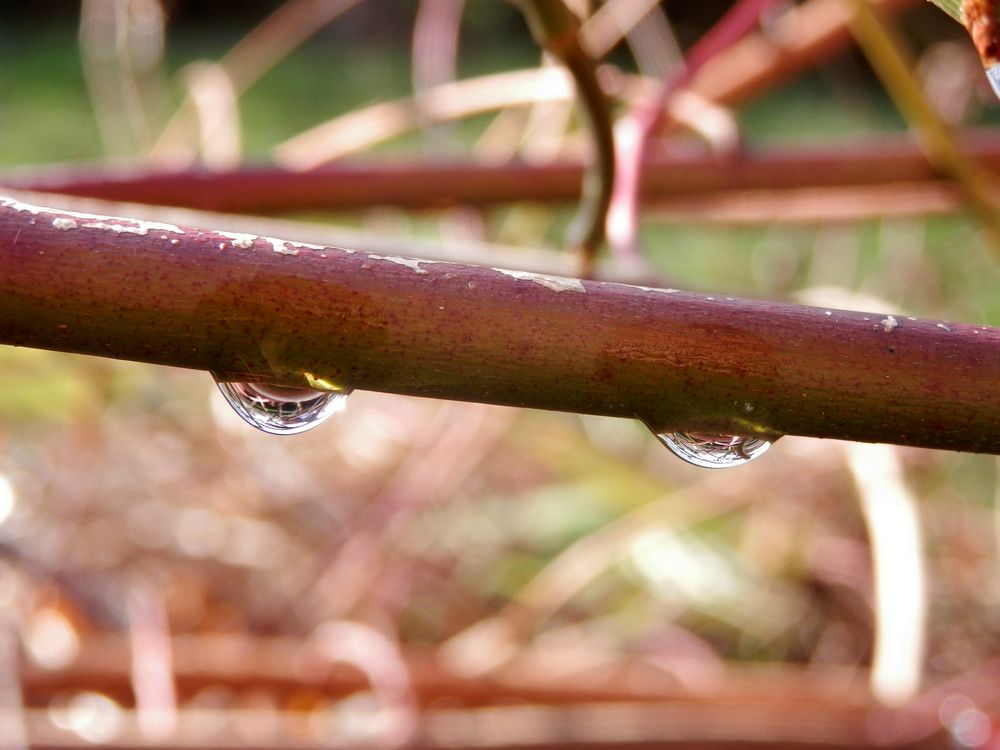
[
  {"x": 557, "y": 30},
  {"x": 257, "y": 308},
  {"x": 623, "y": 703},
  {"x": 274, "y": 38},
  {"x": 798, "y": 40},
  {"x": 638, "y": 127},
  {"x": 280, "y": 666},
  {"x": 420, "y": 185}
]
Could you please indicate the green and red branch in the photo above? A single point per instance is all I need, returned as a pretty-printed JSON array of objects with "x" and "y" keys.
[{"x": 256, "y": 308}]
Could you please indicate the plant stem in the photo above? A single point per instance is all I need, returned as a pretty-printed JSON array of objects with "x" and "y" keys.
[
  {"x": 637, "y": 131},
  {"x": 557, "y": 30},
  {"x": 254, "y": 308},
  {"x": 878, "y": 160},
  {"x": 887, "y": 56}
]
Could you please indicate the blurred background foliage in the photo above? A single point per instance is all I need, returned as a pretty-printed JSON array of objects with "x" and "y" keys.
[{"x": 425, "y": 519}]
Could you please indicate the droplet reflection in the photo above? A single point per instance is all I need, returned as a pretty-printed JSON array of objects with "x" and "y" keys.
[
  {"x": 277, "y": 410},
  {"x": 713, "y": 451}
]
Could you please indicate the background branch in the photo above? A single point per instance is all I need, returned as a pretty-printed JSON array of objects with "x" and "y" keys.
[{"x": 668, "y": 178}]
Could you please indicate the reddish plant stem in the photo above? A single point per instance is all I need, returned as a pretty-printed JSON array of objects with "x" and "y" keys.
[
  {"x": 261, "y": 309},
  {"x": 635, "y": 132},
  {"x": 794, "y": 42},
  {"x": 821, "y": 707},
  {"x": 556, "y": 28},
  {"x": 281, "y": 665},
  {"x": 436, "y": 31},
  {"x": 420, "y": 185},
  {"x": 621, "y": 703},
  {"x": 815, "y": 206}
]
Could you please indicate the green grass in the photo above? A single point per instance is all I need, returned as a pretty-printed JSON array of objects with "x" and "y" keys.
[
  {"x": 44, "y": 107},
  {"x": 810, "y": 108}
]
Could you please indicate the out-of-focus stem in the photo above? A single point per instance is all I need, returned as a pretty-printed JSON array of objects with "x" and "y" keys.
[
  {"x": 667, "y": 178},
  {"x": 435, "y": 56},
  {"x": 216, "y": 107},
  {"x": 635, "y": 132},
  {"x": 557, "y": 30},
  {"x": 113, "y": 34},
  {"x": 886, "y": 54},
  {"x": 797, "y": 40},
  {"x": 893, "y": 522},
  {"x": 291, "y": 24}
]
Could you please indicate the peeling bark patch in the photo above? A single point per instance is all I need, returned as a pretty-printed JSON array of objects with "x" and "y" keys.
[
  {"x": 662, "y": 291},
  {"x": 64, "y": 223},
  {"x": 140, "y": 227},
  {"x": 94, "y": 221},
  {"x": 980, "y": 18},
  {"x": 889, "y": 324},
  {"x": 555, "y": 283},
  {"x": 280, "y": 246},
  {"x": 413, "y": 263},
  {"x": 242, "y": 241}
]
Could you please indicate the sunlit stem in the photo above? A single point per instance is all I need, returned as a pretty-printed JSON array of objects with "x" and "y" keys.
[{"x": 893, "y": 523}]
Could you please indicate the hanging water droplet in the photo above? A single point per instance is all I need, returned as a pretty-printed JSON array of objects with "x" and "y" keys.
[
  {"x": 713, "y": 451},
  {"x": 278, "y": 410}
]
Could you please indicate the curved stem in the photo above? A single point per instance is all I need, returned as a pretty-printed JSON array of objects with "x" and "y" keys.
[{"x": 557, "y": 30}]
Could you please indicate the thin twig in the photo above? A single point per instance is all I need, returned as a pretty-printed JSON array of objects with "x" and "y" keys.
[
  {"x": 435, "y": 54},
  {"x": 671, "y": 180},
  {"x": 274, "y": 38},
  {"x": 893, "y": 523},
  {"x": 558, "y": 31},
  {"x": 634, "y": 133},
  {"x": 113, "y": 33},
  {"x": 796, "y": 41}
]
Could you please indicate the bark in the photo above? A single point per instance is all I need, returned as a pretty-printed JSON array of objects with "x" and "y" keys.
[{"x": 254, "y": 308}]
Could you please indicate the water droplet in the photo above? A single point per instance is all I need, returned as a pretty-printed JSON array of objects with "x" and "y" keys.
[
  {"x": 993, "y": 76},
  {"x": 278, "y": 410},
  {"x": 713, "y": 451}
]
